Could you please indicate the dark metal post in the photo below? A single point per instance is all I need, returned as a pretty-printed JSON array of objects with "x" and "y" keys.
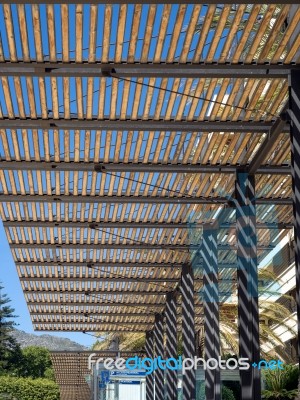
[
  {"x": 188, "y": 331},
  {"x": 294, "y": 100},
  {"x": 159, "y": 352},
  {"x": 209, "y": 253},
  {"x": 149, "y": 347},
  {"x": 171, "y": 345},
  {"x": 248, "y": 314}
]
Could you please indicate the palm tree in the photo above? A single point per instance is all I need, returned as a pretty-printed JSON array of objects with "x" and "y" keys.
[
  {"x": 271, "y": 313},
  {"x": 242, "y": 25}
]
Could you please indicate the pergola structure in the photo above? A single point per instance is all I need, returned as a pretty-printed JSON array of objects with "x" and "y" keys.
[
  {"x": 146, "y": 166},
  {"x": 72, "y": 373},
  {"x": 71, "y": 370}
]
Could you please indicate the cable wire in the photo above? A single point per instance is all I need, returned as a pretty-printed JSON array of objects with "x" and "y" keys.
[
  {"x": 121, "y": 276},
  {"x": 146, "y": 184},
  {"x": 151, "y": 311},
  {"x": 193, "y": 96}
]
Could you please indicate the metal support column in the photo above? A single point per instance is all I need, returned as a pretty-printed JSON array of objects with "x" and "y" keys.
[
  {"x": 159, "y": 352},
  {"x": 149, "y": 348},
  {"x": 248, "y": 314},
  {"x": 171, "y": 345},
  {"x": 209, "y": 253},
  {"x": 188, "y": 331},
  {"x": 294, "y": 100}
]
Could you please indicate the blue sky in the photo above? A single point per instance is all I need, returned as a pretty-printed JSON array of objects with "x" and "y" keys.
[{"x": 12, "y": 287}]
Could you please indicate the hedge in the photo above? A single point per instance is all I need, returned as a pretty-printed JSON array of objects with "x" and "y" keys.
[
  {"x": 227, "y": 394},
  {"x": 28, "y": 389}
]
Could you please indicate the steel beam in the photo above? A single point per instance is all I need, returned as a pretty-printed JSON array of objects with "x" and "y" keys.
[
  {"x": 209, "y": 252},
  {"x": 104, "y": 303},
  {"x": 57, "y": 318},
  {"x": 62, "y": 198},
  {"x": 265, "y": 148},
  {"x": 96, "y": 279},
  {"x": 187, "y": 168},
  {"x": 98, "y": 291},
  {"x": 109, "y": 264},
  {"x": 171, "y": 344},
  {"x": 139, "y": 70},
  {"x": 138, "y": 125},
  {"x": 149, "y": 348},
  {"x": 294, "y": 112},
  {"x": 117, "y": 324},
  {"x": 94, "y": 304},
  {"x": 178, "y": 168},
  {"x": 108, "y": 313},
  {"x": 133, "y": 224},
  {"x": 94, "y": 246},
  {"x": 158, "y": 332},
  {"x": 84, "y": 328},
  {"x": 188, "y": 331},
  {"x": 90, "y": 327},
  {"x": 95, "y": 313},
  {"x": 42, "y": 278},
  {"x": 103, "y": 224},
  {"x": 248, "y": 314}
]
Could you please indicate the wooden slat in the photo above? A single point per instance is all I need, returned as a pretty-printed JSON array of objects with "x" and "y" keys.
[
  {"x": 51, "y": 32},
  {"x": 190, "y": 29},
  {"x": 120, "y": 33},
  {"x": 106, "y": 33},
  {"x": 93, "y": 32},
  {"x": 176, "y": 32},
  {"x": 23, "y": 32},
  {"x": 10, "y": 31},
  {"x": 204, "y": 29},
  {"x": 260, "y": 33},
  {"x": 65, "y": 32},
  {"x": 162, "y": 32},
  {"x": 276, "y": 28},
  {"x": 79, "y": 32}
]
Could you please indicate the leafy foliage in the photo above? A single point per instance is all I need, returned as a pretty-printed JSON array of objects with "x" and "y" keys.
[
  {"x": 36, "y": 362},
  {"x": 281, "y": 384},
  {"x": 33, "y": 361},
  {"x": 227, "y": 394},
  {"x": 10, "y": 352},
  {"x": 28, "y": 389}
]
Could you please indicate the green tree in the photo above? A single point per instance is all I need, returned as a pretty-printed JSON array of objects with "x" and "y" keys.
[
  {"x": 36, "y": 362},
  {"x": 10, "y": 352}
]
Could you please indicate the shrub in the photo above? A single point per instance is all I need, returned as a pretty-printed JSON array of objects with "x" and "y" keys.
[
  {"x": 227, "y": 394},
  {"x": 281, "y": 384},
  {"x": 28, "y": 389}
]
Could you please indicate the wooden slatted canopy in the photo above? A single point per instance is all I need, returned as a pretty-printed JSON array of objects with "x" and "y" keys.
[
  {"x": 71, "y": 371},
  {"x": 122, "y": 126}
]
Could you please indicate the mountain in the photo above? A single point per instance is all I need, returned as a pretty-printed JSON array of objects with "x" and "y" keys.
[{"x": 48, "y": 341}]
